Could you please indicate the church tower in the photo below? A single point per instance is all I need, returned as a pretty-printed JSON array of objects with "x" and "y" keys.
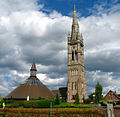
[{"x": 76, "y": 70}]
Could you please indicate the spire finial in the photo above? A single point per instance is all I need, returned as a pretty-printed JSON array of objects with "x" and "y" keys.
[
  {"x": 81, "y": 35},
  {"x": 33, "y": 65},
  {"x": 74, "y": 16}
]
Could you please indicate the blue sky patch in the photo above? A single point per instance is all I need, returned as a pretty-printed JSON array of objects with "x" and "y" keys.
[
  {"x": 7, "y": 78},
  {"x": 84, "y": 7}
]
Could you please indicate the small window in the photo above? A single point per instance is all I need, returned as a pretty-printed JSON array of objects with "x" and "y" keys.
[{"x": 76, "y": 55}]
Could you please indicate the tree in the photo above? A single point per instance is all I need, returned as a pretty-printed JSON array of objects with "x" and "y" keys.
[
  {"x": 98, "y": 92},
  {"x": 91, "y": 96},
  {"x": 77, "y": 99},
  {"x": 119, "y": 95},
  {"x": 1, "y": 100},
  {"x": 57, "y": 99}
]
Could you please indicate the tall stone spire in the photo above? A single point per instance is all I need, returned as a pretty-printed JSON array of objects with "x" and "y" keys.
[
  {"x": 33, "y": 69},
  {"x": 76, "y": 70},
  {"x": 75, "y": 26}
]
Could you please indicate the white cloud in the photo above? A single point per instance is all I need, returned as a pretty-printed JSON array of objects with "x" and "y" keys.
[
  {"x": 9, "y": 6},
  {"x": 106, "y": 79}
]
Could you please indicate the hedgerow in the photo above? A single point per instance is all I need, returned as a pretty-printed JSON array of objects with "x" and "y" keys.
[{"x": 45, "y": 103}]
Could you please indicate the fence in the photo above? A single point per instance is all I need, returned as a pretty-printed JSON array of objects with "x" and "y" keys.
[
  {"x": 117, "y": 112},
  {"x": 48, "y": 113}
]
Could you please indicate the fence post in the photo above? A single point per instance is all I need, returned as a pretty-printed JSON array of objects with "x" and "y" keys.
[
  {"x": 56, "y": 112},
  {"x": 11, "y": 113},
  {"x": 115, "y": 112},
  {"x": 110, "y": 110},
  {"x": 32, "y": 112},
  {"x": 50, "y": 113},
  {"x": 84, "y": 113}
]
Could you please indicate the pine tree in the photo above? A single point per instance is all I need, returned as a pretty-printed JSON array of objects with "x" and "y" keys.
[
  {"x": 57, "y": 99},
  {"x": 77, "y": 99},
  {"x": 1, "y": 100},
  {"x": 98, "y": 92}
]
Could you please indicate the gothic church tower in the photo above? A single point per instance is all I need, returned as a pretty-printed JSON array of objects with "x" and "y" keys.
[{"x": 76, "y": 69}]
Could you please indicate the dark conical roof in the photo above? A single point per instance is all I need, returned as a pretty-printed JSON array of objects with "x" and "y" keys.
[
  {"x": 32, "y": 80},
  {"x": 33, "y": 88},
  {"x": 33, "y": 91}
]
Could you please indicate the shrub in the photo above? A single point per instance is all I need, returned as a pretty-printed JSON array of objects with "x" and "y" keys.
[
  {"x": 44, "y": 103},
  {"x": 15, "y": 104},
  {"x": 67, "y": 105},
  {"x": 30, "y": 104},
  {"x": 87, "y": 101},
  {"x": 77, "y": 99},
  {"x": 57, "y": 99},
  {"x": 1, "y": 100}
]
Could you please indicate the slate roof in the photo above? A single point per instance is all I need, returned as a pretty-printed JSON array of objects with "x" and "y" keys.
[{"x": 33, "y": 91}]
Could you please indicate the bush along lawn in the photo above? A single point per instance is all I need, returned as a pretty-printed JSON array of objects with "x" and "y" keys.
[
  {"x": 67, "y": 105},
  {"x": 44, "y": 103}
]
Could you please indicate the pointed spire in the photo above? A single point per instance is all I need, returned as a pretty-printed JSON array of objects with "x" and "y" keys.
[
  {"x": 69, "y": 37},
  {"x": 74, "y": 6},
  {"x": 33, "y": 69},
  {"x": 74, "y": 16},
  {"x": 33, "y": 65},
  {"x": 81, "y": 39},
  {"x": 81, "y": 36},
  {"x": 75, "y": 26}
]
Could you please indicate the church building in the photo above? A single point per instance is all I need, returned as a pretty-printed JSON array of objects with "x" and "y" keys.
[
  {"x": 32, "y": 87},
  {"x": 76, "y": 69}
]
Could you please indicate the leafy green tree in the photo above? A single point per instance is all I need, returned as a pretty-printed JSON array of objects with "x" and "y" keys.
[
  {"x": 1, "y": 100},
  {"x": 91, "y": 96},
  {"x": 119, "y": 95},
  {"x": 39, "y": 98},
  {"x": 57, "y": 99},
  {"x": 98, "y": 92},
  {"x": 77, "y": 100}
]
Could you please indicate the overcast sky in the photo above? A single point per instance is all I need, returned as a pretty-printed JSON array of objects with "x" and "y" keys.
[{"x": 38, "y": 29}]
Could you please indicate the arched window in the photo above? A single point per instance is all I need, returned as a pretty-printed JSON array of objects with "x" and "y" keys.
[
  {"x": 72, "y": 55},
  {"x": 75, "y": 85},
  {"x": 73, "y": 97},
  {"x": 76, "y": 55},
  {"x": 72, "y": 85}
]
